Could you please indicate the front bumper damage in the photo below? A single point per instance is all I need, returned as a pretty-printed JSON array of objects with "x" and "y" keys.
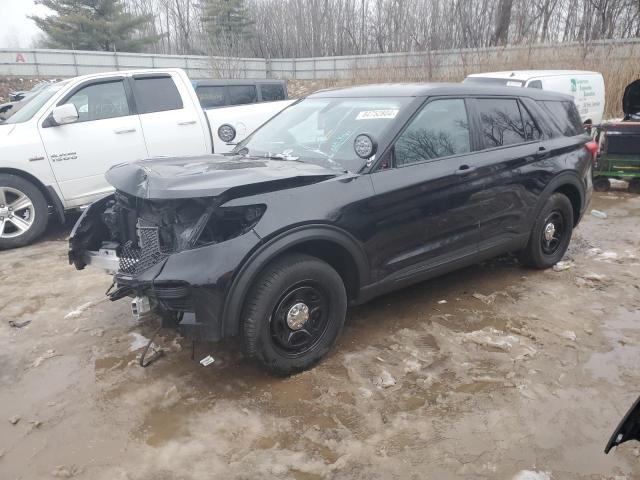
[{"x": 186, "y": 287}]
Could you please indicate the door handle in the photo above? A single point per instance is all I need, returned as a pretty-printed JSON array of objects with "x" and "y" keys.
[
  {"x": 119, "y": 131},
  {"x": 465, "y": 169},
  {"x": 542, "y": 151},
  {"x": 188, "y": 122}
]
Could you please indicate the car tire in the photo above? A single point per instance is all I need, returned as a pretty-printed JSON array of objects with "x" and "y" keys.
[
  {"x": 293, "y": 314},
  {"x": 21, "y": 226},
  {"x": 551, "y": 233},
  {"x": 601, "y": 184},
  {"x": 634, "y": 185}
]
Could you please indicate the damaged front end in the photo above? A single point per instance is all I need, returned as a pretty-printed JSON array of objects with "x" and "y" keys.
[{"x": 164, "y": 254}]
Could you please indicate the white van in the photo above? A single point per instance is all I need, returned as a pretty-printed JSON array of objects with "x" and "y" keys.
[{"x": 587, "y": 88}]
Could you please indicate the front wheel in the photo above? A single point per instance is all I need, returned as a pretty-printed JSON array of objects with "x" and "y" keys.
[
  {"x": 23, "y": 212},
  {"x": 293, "y": 314},
  {"x": 551, "y": 233},
  {"x": 634, "y": 185}
]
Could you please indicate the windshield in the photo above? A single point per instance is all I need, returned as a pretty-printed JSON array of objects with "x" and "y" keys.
[
  {"x": 34, "y": 103},
  {"x": 322, "y": 130}
]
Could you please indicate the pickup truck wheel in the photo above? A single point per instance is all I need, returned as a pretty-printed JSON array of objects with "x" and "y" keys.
[
  {"x": 551, "y": 233},
  {"x": 294, "y": 313},
  {"x": 23, "y": 212}
]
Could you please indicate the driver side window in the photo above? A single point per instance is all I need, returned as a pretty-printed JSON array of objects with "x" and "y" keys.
[
  {"x": 441, "y": 129},
  {"x": 100, "y": 101}
]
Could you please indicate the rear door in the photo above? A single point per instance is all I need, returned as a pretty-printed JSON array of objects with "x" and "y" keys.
[
  {"x": 107, "y": 133},
  {"x": 424, "y": 210},
  {"x": 170, "y": 122},
  {"x": 506, "y": 184}
]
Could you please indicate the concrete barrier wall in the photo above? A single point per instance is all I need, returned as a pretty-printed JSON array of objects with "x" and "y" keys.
[{"x": 423, "y": 65}]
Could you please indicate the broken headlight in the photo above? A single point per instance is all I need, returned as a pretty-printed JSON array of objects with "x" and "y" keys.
[{"x": 224, "y": 223}]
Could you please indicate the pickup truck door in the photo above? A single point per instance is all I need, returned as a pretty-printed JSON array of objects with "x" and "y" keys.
[
  {"x": 172, "y": 124},
  {"x": 107, "y": 133}
]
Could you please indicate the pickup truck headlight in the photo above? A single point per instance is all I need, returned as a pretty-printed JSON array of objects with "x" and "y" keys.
[{"x": 226, "y": 133}]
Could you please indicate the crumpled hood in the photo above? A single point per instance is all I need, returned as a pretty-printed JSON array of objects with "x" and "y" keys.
[
  {"x": 631, "y": 98},
  {"x": 211, "y": 176}
]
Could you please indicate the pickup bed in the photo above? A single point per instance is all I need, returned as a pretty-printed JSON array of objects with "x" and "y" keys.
[{"x": 57, "y": 148}]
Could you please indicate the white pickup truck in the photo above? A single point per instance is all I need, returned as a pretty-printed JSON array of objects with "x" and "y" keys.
[{"x": 55, "y": 151}]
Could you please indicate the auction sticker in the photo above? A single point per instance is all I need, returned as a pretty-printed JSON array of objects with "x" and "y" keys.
[{"x": 372, "y": 114}]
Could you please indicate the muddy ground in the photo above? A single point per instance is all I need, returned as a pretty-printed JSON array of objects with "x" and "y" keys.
[{"x": 520, "y": 374}]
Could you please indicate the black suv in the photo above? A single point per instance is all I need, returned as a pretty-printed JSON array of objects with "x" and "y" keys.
[{"x": 345, "y": 195}]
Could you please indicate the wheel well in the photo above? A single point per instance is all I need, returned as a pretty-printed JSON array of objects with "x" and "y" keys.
[
  {"x": 55, "y": 203},
  {"x": 573, "y": 194},
  {"x": 336, "y": 256}
]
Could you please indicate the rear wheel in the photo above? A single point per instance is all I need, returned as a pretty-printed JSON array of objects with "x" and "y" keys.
[
  {"x": 294, "y": 313},
  {"x": 23, "y": 212},
  {"x": 551, "y": 233},
  {"x": 634, "y": 185},
  {"x": 601, "y": 184}
]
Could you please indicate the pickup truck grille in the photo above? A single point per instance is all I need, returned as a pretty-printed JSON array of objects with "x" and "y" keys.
[{"x": 134, "y": 259}]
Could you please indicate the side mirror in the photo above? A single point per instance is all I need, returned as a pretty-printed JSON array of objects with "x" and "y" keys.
[{"x": 64, "y": 114}]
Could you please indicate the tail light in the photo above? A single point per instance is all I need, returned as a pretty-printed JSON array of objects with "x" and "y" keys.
[{"x": 592, "y": 148}]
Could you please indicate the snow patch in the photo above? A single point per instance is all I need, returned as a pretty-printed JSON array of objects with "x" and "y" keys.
[{"x": 531, "y": 475}]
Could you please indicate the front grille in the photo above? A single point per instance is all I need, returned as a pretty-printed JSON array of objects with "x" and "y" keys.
[{"x": 135, "y": 259}]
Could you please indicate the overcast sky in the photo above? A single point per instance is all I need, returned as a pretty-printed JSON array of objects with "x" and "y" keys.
[{"x": 17, "y": 30}]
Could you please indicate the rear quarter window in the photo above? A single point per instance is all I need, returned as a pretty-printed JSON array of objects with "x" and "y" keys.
[
  {"x": 211, "y": 96},
  {"x": 242, "y": 94},
  {"x": 565, "y": 117},
  {"x": 272, "y": 92}
]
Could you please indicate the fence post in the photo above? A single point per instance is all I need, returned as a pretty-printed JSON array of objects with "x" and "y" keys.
[
  {"x": 115, "y": 59},
  {"x": 294, "y": 68},
  {"x": 35, "y": 61},
  {"x": 268, "y": 73},
  {"x": 75, "y": 62}
]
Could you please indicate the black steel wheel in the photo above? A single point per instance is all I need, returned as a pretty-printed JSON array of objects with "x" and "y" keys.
[
  {"x": 293, "y": 314},
  {"x": 300, "y": 319},
  {"x": 634, "y": 185},
  {"x": 551, "y": 233}
]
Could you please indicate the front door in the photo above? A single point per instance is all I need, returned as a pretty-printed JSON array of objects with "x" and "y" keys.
[
  {"x": 423, "y": 209},
  {"x": 106, "y": 134}
]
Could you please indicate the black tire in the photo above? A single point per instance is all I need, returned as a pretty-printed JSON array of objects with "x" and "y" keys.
[
  {"x": 601, "y": 184},
  {"x": 291, "y": 280},
  {"x": 37, "y": 216},
  {"x": 542, "y": 252},
  {"x": 634, "y": 185}
]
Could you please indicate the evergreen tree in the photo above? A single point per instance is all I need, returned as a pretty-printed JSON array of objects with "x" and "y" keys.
[
  {"x": 93, "y": 25},
  {"x": 228, "y": 24}
]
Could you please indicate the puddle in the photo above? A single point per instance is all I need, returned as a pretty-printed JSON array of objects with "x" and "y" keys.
[{"x": 622, "y": 329}]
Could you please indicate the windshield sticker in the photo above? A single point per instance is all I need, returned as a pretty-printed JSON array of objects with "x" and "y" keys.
[{"x": 372, "y": 114}]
